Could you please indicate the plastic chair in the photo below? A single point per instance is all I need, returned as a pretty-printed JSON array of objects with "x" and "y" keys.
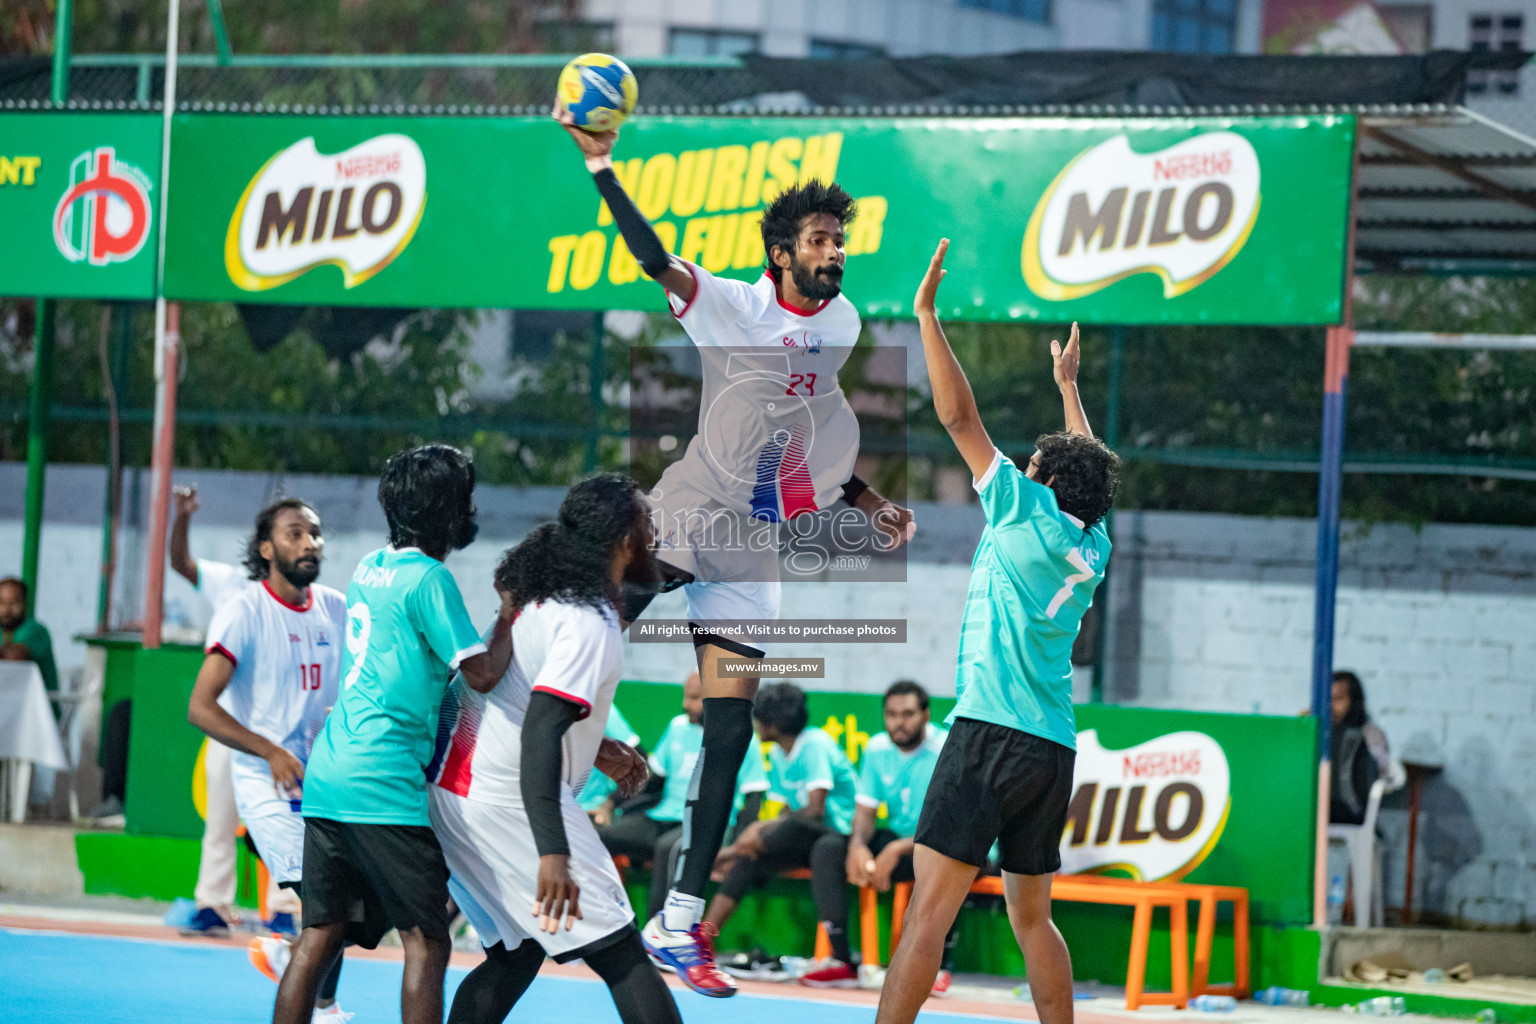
[
  {"x": 80, "y": 697},
  {"x": 1365, "y": 853}
]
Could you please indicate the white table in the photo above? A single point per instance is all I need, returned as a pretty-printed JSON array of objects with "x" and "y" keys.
[{"x": 29, "y": 734}]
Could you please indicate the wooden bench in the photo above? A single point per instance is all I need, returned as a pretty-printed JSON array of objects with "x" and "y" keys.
[{"x": 1144, "y": 897}]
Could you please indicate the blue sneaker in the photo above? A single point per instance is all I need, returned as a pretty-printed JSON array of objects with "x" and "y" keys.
[
  {"x": 282, "y": 924},
  {"x": 206, "y": 922}
]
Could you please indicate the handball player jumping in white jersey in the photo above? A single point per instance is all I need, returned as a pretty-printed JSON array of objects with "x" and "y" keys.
[{"x": 776, "y": 439}]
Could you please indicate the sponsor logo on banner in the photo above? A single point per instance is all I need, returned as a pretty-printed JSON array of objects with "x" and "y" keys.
[
  {"x": 355, "y": 210},
  {"x": 1153, "y": 811},
  {"x": 1182, "y": 213},
  {"x": 104, "y": 215}
]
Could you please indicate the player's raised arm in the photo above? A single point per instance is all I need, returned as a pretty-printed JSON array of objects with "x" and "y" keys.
[
  {"x": 643, "y": 242},
  {"x": 1066, "y": 362},
  {"x": 952, "y": 397}
]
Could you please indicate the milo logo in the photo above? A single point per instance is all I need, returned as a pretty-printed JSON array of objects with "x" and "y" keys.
[
  {"x": 355, "y": 210},
  {"x": 1154, "y": 811},
  {"x": 1182, "y": 213}
]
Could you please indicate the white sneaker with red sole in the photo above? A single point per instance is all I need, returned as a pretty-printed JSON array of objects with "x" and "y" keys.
[{"x": 941, "y": 985}]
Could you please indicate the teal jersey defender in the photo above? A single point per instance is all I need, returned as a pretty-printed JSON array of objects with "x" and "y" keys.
[
  {"x": 599, "y": 786},
  {"x": 898, "y": 780},
  {"x": 674, "y": 757},
  {"x": 1032, "y": 580},
  {"x": 814, "y": 762},
  {"x": 407, "y": 630}
]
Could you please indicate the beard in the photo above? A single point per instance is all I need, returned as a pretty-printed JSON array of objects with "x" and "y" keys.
[
  {"x": 644, "y": 571},
  {"x": 821, "y": 284},
  {"x": 300, "y": 573}
]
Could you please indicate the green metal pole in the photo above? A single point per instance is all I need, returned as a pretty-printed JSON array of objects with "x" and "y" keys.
[
  {"x": 42, "y": 349},
  {"x": 1111, "y": 435},
  {"x": 37, "y": 442},
  {"x": 62, "y": 21},
  {"x": 220, "y": 33}
]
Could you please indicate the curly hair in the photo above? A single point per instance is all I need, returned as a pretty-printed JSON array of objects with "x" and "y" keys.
[
  {"x": 782, "y": 705},
  {"x": 783, "y": 217},
  {"x": 1086, "y": 473},
  {"x": 428, "y": 497},
  {"x": 568, "y": 559},
  {"x": 257, "y": 567}
]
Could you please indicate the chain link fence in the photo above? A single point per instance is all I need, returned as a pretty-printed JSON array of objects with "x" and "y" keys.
[{"x": 487, "y": 85}]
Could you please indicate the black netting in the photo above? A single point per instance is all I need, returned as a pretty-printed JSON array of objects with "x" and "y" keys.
[{"x": 1033, "y": 79}]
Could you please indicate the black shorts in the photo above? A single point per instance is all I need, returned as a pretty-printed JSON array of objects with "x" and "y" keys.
[
  {"x": 997, "y": 783},
  {"x": 374, "y": 878}
]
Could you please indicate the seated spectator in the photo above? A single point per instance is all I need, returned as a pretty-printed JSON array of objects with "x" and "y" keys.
[
  {"x": 655, "y": 834},
  {"x": 23, "y": 638},
  {"x": 1358, "y": 751},
  {"x": 597, "y": 796},
  {"x": 809, "y": 773},
  {"x": 894, "y": 773}
]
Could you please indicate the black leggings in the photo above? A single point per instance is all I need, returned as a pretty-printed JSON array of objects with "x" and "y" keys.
[{"x": 490, "y": 991}]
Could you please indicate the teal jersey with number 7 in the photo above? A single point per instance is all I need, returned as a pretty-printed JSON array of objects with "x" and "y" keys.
[
  {"x": 407, "y": 630},
  {"x": 1032, "y": 580}
]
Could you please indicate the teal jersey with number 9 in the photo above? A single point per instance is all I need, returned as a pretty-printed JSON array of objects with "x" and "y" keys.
[
  {"x": 1032, "y": 581},
  {"x": 407, "y": 630}
]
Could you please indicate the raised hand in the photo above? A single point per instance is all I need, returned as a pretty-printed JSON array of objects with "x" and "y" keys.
[
  {"x": 593, "y": 145},
  {"x": 1067, "y": 359},
  {"x": 929, "y": 289},
  {"x": 186, "y": 499}
]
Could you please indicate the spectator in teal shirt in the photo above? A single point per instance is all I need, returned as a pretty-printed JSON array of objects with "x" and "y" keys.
[
  {"x": 893, "y": 775},
  {"x": 809, "y": 773}
]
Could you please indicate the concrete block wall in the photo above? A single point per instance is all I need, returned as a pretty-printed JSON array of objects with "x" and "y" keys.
[{"x": 1216, "y": 613}]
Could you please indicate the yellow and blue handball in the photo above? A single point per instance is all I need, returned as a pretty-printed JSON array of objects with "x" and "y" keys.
[{"x": 599, "y": 90}]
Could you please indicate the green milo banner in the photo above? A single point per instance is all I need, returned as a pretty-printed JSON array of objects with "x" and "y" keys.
[
  {"x": 79, "y": 204},
  {"x": 1181, "y": 795},
  {"x": 1230, "y": 220},
  {"x": 1157, "y": 794}
]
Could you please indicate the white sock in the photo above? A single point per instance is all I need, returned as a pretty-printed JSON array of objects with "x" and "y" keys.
[{"x": 681, "y": 912}]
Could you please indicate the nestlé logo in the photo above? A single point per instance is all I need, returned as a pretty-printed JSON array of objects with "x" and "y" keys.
[
  {"x": 1182, "y": 214},
  {"x": 356, "y": 210}
]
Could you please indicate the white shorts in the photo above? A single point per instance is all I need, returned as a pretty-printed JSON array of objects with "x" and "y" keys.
[
  {"x": 494, "y": 877},
  {"x": 734, "y": 559},
  {"x": 279, "y": 840}
]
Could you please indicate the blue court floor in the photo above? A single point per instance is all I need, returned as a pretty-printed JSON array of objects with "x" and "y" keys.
[{"x": 52, "y": 978}]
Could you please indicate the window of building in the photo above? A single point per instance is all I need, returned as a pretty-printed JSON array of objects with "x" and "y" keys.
[
  {"x": 831, "y": 49},
  {"x": 578, "y": 36},
  {"x": 1028, "y": 10},
  {"x": 1495, "y": 32},
  {"x": 1194, "y": 26},
  {"x": 703, "y": 42}
]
